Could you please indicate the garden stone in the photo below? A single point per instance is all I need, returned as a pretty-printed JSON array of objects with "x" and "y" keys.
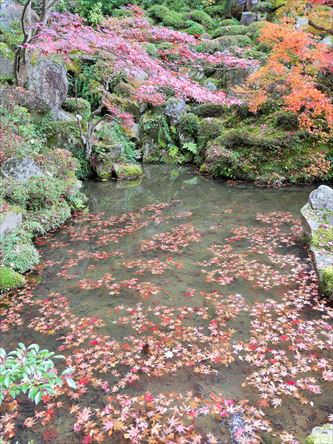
[
  {"x": 9, "y": 221},
  {"x": 174, "y": 109},
  {"x": 248, "y": 18},
  {"x": 322, "y": 198},
  {"x": 321, "y": 435},
  {"x": 20, "y": 169},
  {"x": 317, "y": 212},
  {"x": 10, "y": 14},
  {"x": 47, "y": 79}
]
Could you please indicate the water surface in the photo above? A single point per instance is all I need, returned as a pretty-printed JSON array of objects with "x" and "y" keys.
[{"x": 181, "y": 302}]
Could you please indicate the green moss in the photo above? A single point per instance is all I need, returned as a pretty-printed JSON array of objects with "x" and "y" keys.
[
  {"x": 229, "y": 22},
  {"x": 322, "y": 238},
  {"x": 129, "y": 171},
  {"x": 231, "y": 30},
  {"x": 194, "y": 28},
  {"x": 201, "y": 17},
  {"x": 229, "y": 41},
  {"x": 77, "y": 106},
  {"x": 5, "y": 51},
  {"x": 166, "y": 16},
  {"x": 189, "y": 124},
  {"x": 327, "y": 281},
  {"x": 321, "y": 435},
  {"x": 10, "y": 279},
  {"x": 210, "y": 128}
]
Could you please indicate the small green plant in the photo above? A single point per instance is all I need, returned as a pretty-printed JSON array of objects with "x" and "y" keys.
[
  {"x": 191, "y": 147},
  {"x": 31, "y": 371}
]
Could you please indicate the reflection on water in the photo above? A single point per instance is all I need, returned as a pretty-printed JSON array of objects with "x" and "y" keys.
[{"x": 188, "y": 309}]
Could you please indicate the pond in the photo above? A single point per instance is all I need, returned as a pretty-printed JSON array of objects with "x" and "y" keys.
[{"x": 189, "y": 311}]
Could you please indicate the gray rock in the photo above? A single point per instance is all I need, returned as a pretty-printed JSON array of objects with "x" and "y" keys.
[
  {"x": 321, "y": 435},
  {"x": 9, "y": 221},
  {"x": 301, "y": 22},
  {"x": 248, "y": 17},
  {"x": 10, "y": 14},
  {"x": 322, "y": 198},
  {"x": 20, "y": 169},
  {"x": 327, "y": 40},
  {"x": 319, "y": 211},
  {"x": 47, "y": 80},
  {"x": 174, "y": 109}
]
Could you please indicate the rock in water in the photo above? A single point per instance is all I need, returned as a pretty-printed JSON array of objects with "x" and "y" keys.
[
  {"x": 322, "y": 198},
  {"x": 20, "y": 169},
  {"x": 317, "y": 219},
  {"x": 321, "y": 435},
  {"x": 47, "y": 80}
]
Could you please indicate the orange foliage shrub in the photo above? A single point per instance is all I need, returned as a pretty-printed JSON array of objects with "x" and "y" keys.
[{"x": 290, "y": 77}]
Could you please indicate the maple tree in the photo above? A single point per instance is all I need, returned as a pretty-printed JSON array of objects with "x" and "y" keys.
[
  {"x": 121, "y": 43},
  {"x": 290, "y": 77}
]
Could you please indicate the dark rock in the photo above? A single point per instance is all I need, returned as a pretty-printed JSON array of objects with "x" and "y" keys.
[{"x": 174, "y": 109}]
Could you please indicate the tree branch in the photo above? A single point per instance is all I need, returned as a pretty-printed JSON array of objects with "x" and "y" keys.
[{"x": 320, "y": 28}]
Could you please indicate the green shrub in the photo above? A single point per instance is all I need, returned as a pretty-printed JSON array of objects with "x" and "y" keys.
[
  {"x": 31, "y": 371},
  {"x": 77, "y": 106},
  {"x": 230, "y": 41},
  {"x": 10, "y": 279},
  {"x": 201, "y": 17},
  {"x": 164, "y": 15},
  {"x": 229, "y": 22},
  {"x": 18, "y": 251},
  {"x": 231, "y": 30},
  {"x": 194, "y": 28}
]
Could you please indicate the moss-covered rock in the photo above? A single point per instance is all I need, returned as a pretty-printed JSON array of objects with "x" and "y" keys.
[
  {"x": 209, "y": 110},
  {"x": 129, "y": 171},
  {"x": 103, "y": 170},
  {"x": 321, "y": 435},
  {"x": 209, "y": 128},
  {"x": 10, "y": 279},
  {"x": 189, "y": 125}
]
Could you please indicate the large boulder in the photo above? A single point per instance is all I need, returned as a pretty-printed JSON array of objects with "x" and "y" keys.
[
  {"x": 317, "y": 220},
  {"x": 20, "y": 169},
  {"x": 47, "y": 80},
  {"x": 10, "y": 14}
]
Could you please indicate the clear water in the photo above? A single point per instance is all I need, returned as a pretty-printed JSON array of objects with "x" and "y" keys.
[{"x": 176, "y": 317}]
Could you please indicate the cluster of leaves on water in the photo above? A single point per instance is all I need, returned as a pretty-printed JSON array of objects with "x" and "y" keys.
[{"x": 287, "y": 352}]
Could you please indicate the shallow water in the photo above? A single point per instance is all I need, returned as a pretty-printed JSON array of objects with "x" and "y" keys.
[{"x": 153, "y": 291}]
